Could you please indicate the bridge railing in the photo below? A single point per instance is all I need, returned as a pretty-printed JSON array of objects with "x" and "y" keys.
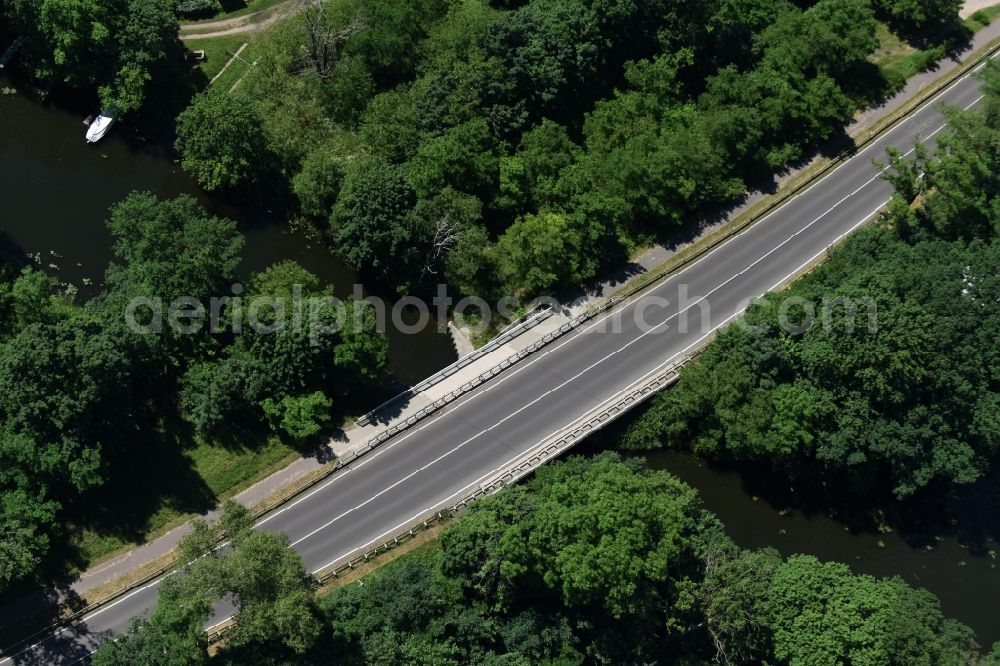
[
  {"x": 643, "y": 283},
  {"x": 530, "y": 461},
  {"x": 524, "y": 323}
]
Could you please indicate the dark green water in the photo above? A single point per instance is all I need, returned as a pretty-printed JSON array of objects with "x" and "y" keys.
[
  {"x": 55, "y": 192},
  {"x": 955, "y": 556},
  {"x": 54, "y": 195}
]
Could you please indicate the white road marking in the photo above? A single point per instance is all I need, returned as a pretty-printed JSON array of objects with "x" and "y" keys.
[
  {"x": 9, "y": 660},
  {"x": 523, "y": 366},
  {"x": 500, "y": 381}
]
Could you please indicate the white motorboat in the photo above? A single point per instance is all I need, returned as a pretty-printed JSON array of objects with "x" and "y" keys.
[
  {"x": 9, "y": 53},
  {"x": 100, "y": 126}
]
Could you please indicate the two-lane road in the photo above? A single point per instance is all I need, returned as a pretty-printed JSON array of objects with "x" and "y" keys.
[{"x": 445, "y": 456}]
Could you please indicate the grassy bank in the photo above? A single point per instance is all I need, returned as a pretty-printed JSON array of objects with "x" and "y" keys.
[
  {"x": 215, "y": 473},
  {"x": 168, "y": 483},
  {"x": 900, "y": 60},
  {"x": 218, "y": 51}
]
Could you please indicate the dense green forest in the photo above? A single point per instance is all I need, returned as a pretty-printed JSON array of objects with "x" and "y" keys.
[
  {"x": 524, "y": 147},
  {"x": 603, "y": 561},
  {"x": 912, "y": 405},
  {"x": 121, "y": 48},
  {"x": 80, "y": 390},
  {"x": 518, "y": 147},
  {"x": 596, "y": 561}
]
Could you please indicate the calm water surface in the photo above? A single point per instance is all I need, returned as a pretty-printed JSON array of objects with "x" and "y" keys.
[
  {"x": 55, "y": 196},
  {"x": 956, "y": 558},
  {"x": 55, "y": 192}
]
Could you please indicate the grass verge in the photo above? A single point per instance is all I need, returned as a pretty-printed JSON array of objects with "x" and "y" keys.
[
  {"x": 218, "y": 52},
  {"x": 982, "y": 18},
  {"x": 221, "y": 473},
  {"x": 899, "y": 60},
  {"x": 168, "y": 486},
  {"x": 422, "y": 541}
]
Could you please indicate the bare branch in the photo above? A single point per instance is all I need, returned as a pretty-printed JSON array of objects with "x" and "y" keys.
[
  {"x": 445, "y": 238},
  {"x": 324, "y": 39}
]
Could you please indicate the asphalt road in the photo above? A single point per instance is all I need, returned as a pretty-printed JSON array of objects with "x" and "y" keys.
[{"x": 445, "y": 456}]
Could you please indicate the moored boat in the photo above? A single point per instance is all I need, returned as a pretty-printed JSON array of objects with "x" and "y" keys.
[{"x": 100, "y": 126}]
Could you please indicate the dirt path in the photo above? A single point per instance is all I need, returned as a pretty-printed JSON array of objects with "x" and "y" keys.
[
  {"x": 266, "y": 17},
  {"x": 237, "y": 24}
]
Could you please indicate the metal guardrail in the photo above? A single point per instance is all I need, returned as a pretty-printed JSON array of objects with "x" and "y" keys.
[
  {"x": 524, "y": 323},
  {"x": 644, "y": 389},
  {"x": 650, "y": 279},
  {"x": 347, "y": 459},
  {"x": 531, "y": 460},
  {"x": 861, "y": 142},
  {"x": 477, "y": 381}
]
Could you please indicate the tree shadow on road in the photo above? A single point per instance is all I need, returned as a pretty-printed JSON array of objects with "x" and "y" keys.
[{"x": 65, "y": 645}]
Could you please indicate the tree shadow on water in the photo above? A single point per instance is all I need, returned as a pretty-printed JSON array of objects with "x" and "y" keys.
[{"x": 12, "y": 256}]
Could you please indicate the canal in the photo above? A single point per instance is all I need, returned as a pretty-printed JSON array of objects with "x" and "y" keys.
[
  {"x": 55, "y": 192},
  {"x": 951, "y": 548},
  {"x": 954, "y": 555}
]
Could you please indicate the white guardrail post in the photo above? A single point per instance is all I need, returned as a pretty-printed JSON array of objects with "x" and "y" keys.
[{"x": 524, "y": 323}]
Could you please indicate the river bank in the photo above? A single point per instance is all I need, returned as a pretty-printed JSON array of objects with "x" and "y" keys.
[{"x": 57, "y": 190}]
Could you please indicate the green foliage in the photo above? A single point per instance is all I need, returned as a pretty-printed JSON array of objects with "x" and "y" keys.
[
  {"x": 219, "y": 139},
  {"x": 29, "y": 299},
  {"x": 909, "y": 404},
  {"x": 457, "y": 36},
  {"x": 66, "y": 387},
  {"x": 301, "y": 417},
  {"x": 282, "y": 368},
  {"x": 528, "y": 178},
  {"x": 560, "y": 538},
  {"x": 67, "y": 398},
  {"x": 115, "y": 46},
  {"x": 916, "y": 15},
  {"x": 958, "y": 195},
  {"x": 591, "y": 557},
  {"x": 592, "y": 561},
  {"x": 372, "y": 224},
  {"x": 589, "y": 111},
  {"x": 735, "y": 582},
  {"x": 80, "y": 386},
  {"x": 24, "y": 519},
  {"x": 391, "y": 125},
  {"x": 171, "y": 248},
  {"x": 285, "y": 279},
  {"x": 602, "y": 561},
  {"x": 539, "y": 253},
  {"x": 462, "y": 158},
  {"x": 157, "y": 642},
  {"x": 392, "y": 31},
  {"x": 823, "y": 614},
  {"x": 211, "y": 396},
  {"x": 197, "y": 8},
  {"x": 318, "y": 184},
  {"x": 77, "y": 382},
  {"x": 467, "y": 264},
  {"x": 902, "y": 404},
  {"x": 258, "y": 573}
]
